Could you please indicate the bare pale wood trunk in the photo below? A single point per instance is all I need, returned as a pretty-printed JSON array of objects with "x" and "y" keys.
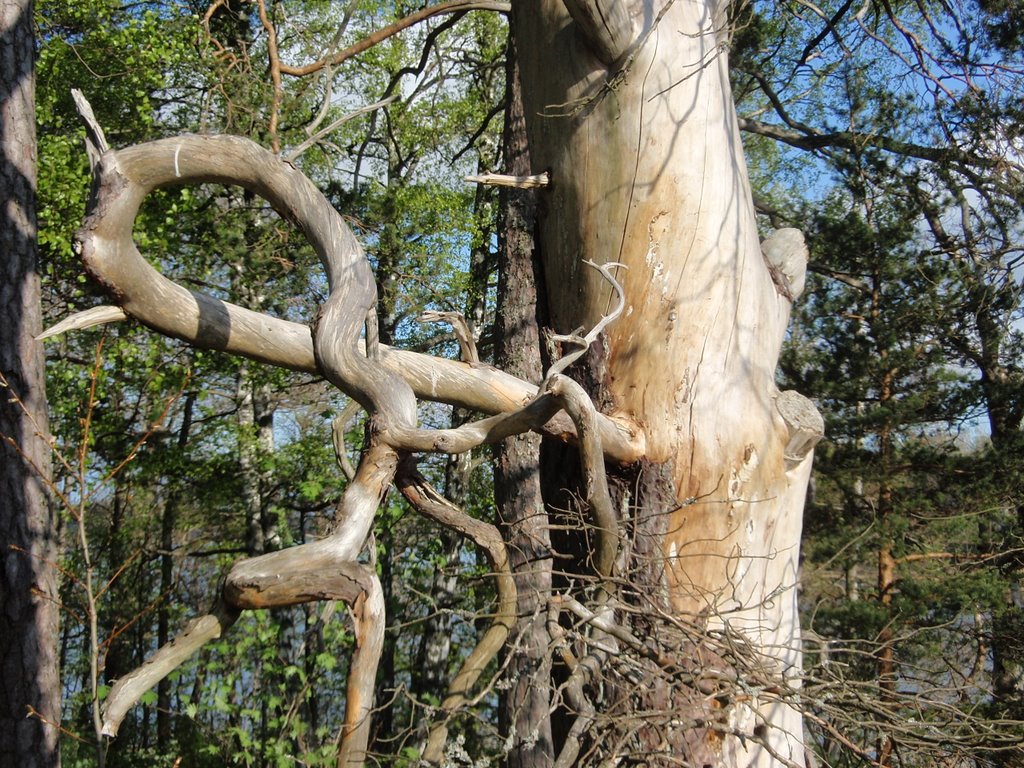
[{"x": 634, "y": 120}]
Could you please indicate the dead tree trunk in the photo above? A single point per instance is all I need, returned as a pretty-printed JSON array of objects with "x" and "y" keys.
[{"x": 628, "y": 107}]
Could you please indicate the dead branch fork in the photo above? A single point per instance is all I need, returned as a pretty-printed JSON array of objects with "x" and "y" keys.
[{"x": 328, "y": 569}]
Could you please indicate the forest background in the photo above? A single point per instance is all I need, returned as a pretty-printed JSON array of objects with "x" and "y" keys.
[{"x": 890, "y": 133}]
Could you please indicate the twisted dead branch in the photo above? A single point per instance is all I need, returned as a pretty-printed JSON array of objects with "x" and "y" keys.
[
  {"x": 327, "y": 569},
  {"x": 384, "y": 382}
]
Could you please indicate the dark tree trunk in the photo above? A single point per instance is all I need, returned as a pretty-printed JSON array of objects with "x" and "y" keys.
[
  {"x": 517, "y": 491},
  {"x": 30, "y": 693},
  {"x": 168, "y": 521}
]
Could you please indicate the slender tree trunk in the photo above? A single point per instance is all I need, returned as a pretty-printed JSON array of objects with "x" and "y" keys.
[
  {"x": 118, "y": 658},
  {"x": 163, "y": 634},
  {"x": 886, "y": 651},
  {"x": 525, "y": 706},
  {"x": 383, "y": 725},
  {"x": 430, "y": 675},
  {"x": 30, "y": 693},
  {"x": 256, "y": 444},
  {"x": 168, "y": 522}
]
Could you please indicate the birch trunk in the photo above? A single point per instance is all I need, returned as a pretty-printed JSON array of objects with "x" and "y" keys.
[{"x": 632, "y": 115}]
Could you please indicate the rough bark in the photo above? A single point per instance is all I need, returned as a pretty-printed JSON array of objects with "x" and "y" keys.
[
  {"x": 30, "y": 694},
  {"x": 525, "y": 706},
  {"x": 647, "y": 170}
]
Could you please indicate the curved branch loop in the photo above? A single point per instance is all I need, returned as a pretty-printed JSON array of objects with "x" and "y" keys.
[
  {"x": 123, "y": 179},
  {"x": 326, "y": 569}
]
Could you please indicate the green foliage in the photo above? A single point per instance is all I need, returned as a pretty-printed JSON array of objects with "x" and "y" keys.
[
  {"x": 255, "y": 711},
  {"x": 1004, "y": 23},
  {"x": 906, "y": 333}
]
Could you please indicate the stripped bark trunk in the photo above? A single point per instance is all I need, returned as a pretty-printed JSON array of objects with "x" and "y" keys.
[{"x": 633, "y": 118}]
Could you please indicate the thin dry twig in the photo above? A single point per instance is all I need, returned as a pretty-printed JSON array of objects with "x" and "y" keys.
[{"x": 452, "y": 6}]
